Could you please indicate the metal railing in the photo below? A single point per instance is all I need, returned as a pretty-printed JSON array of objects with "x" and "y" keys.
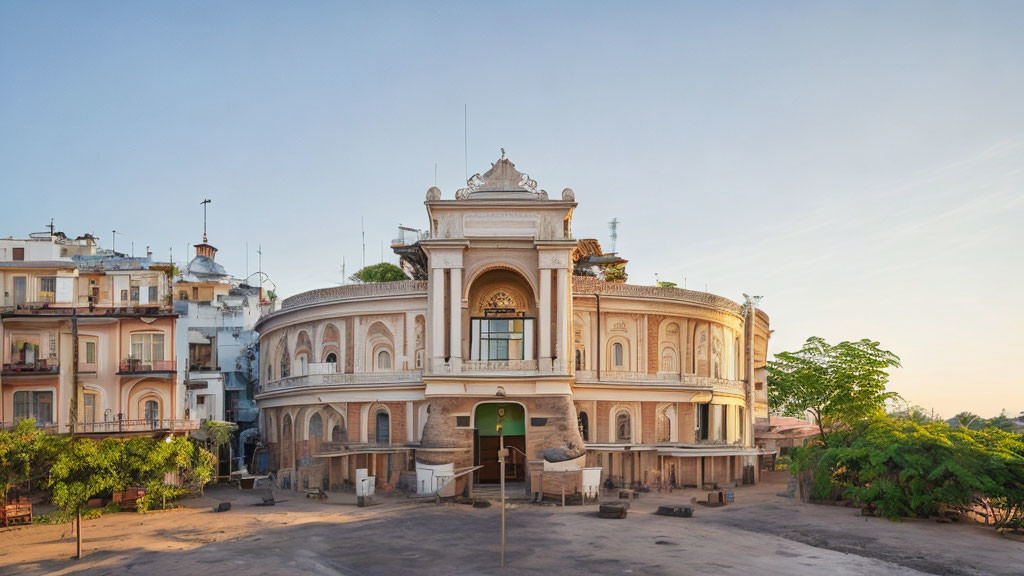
[
  {"x": 38, "y": 367},
  {"x": 118, "y": 426},
  {"x": 131, "y": 365},
  {"x": 144, "y": 425}
]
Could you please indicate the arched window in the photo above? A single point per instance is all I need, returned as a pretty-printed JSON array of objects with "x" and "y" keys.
[
  {"x": 332, "y": 358},
  {"x": 285, "y": 370},
  {"x": 338, "y": 433},
  {"x": 623, "y": 429},
  {"x": 316, "y": 427},
  {"x": 579, "y": 359},
  {"x": 384, "y": 360},
  {"x": 584, "y": 422},
  {"x": 383, "y": 431},
  {"x": 152, "y": 411},
  {"x": 617, "y": 355},
  {"x": 419, "y": 359}
]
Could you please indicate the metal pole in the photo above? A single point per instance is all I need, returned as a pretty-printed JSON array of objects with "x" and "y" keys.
[{"x": 501, "y": 459}]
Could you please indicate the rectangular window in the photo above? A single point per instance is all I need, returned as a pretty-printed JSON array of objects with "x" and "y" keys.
[
  {"x": 703, "y": 414},
  {"x": 135, "y": 293},
  {"x": 47, "y": 289},
  {"x": 89, "y": 405},
  {"x": 147, "y": 349},
  {"x": 501, "y": 338},
  {"x": 90, "y": 352},
  {"x": 152, "y": 295},
  {"x": 38, "y": 405},
  {"x": 18, "y": 253}
]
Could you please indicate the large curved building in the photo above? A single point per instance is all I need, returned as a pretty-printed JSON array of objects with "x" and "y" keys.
[{"x": 655, "y": 385}]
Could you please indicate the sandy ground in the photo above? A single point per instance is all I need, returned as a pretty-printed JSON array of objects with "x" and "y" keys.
[{"x": 760, "y": 534}]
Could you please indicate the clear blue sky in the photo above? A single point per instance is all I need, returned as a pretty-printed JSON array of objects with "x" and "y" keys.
[{"x": 858, "y": 164}]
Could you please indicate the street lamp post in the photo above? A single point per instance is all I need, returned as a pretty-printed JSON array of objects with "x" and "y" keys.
[{"x": 501, "y": 459}]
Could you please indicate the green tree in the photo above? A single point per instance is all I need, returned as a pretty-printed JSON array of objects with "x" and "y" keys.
[
  {"x": 667, "y": 284},
  {"x": 383, "y": 272},
  {"x": 18, "y": 449},
  {"x": 845, "y": 382},
  {"x": 969, "y": 420},
  {"x": 81, "y": 469}
]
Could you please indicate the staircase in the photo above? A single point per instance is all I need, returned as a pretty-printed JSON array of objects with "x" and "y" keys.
[{"x": 514, "y": 491}]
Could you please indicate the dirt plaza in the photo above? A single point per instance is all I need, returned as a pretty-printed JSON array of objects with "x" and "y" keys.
[{"x": 760, "y": 533}]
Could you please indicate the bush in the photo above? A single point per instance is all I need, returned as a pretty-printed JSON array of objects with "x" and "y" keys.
[{"x": 899, "y": 468}]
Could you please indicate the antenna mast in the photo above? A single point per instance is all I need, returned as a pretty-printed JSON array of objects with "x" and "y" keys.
[
  {"x": 613, "y": 226},
  {"x": 204, "y": 203}
]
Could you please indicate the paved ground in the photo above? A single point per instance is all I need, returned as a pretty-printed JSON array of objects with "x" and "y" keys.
[{"x": 760, "y": 534}]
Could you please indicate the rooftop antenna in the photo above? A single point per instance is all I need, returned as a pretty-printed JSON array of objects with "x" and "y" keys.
[
  {"x": 172, "y": 256},
  {"x": 204, "y": 203},
  {"x": 614, "y": 227},
  {"x": 247, "y": 259},
  {"x": 343, "y": 276},
  {"x": 51, "y": 226},
  {"x": 259, "y": 252},
  {"x": 113, "y": 241},
  {"x": 362, "y": 228}
]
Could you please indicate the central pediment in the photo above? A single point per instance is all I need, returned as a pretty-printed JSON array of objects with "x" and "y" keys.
[{"x": 501, "y": 182}]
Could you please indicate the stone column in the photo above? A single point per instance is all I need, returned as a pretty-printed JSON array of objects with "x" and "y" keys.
[
  {"x": 455, "y": 330},
  {"x": 544, "y": 320},
  {"x": 561, "y": 349},
  {"x": 437, "y": 319}
]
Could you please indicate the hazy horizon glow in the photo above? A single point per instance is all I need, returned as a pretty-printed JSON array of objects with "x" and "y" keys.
[{"x": 857, "y": 164}]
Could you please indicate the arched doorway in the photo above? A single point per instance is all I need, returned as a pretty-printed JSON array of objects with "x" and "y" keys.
[{"x": 487, "y": 441}]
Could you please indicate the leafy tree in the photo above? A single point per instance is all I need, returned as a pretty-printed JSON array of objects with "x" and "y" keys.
[
  {"x": 845, "y": 382},
  {"x": 82, "y": 469},
  {"x": 667, "y": 284},
  {"x": 383, "y": 272},
  {"x": 969, "y": 420},
  {"x": 18, "y": 448}
]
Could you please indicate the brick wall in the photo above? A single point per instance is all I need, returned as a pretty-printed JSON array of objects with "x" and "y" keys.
[
  {"x": 653, "y": 359},
  {"x": 649, "y": 418}
]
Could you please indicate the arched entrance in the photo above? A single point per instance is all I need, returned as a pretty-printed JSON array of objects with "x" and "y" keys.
[{"x": 486, "y": 441}]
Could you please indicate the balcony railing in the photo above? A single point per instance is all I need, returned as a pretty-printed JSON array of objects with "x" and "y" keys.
[
  {"x": 119, "y": 426},
  {"x": 40, "y": 367},
  {"x": 335, "y": 379},
  {"x": 500, "y": 366},
  {"x": 138, "y": 366},
  {"x": 684, "y": 380}
]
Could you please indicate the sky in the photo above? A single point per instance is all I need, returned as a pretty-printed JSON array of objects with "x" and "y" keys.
[{"x": 857, "y": 164}]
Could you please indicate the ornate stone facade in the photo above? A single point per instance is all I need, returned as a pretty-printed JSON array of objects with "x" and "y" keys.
[{"x": 643, "y": 381}]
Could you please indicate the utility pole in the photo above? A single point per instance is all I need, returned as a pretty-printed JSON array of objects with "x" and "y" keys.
[{"x": 74, "y": 419}]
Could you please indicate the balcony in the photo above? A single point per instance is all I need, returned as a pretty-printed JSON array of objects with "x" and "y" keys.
[
  {"x": 134, "y": 426},
  {"x": 131, "y": 365},
  {"x": 37, "y": 368},
  {"x": 167, "y": 425},
  {"x": 689, "y": 381},
  {"x": 337, "y": 380},
  {"x": 506, "y": 368}
]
